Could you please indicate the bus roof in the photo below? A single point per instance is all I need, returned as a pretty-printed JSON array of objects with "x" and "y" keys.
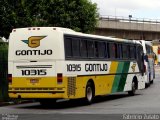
[
  {"x": 72, "y": 32},
  {"x": 148, "y": 43}
]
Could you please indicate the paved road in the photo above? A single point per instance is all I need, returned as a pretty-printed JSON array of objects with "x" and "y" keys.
[{"x": 146, "y": 101}]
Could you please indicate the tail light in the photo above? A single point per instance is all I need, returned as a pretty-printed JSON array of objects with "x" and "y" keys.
[
  {"x": 59, "y": 78},
  {"x": 10, "y": 78}
]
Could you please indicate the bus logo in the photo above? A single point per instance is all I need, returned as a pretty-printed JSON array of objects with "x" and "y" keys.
[
  {"x": 34, "y": 41},
  {"x": 133, "y": 67}
]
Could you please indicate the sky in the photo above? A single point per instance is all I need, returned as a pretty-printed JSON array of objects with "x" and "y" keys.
[{"x": 148, "y": 9}]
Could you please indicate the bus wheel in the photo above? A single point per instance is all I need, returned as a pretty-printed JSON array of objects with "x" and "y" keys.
[
  {"x": 151, "y": 81},
  {"x": 89, "y": 93},
  {"x": 148, "y": 84},
  {"x": 133, "y": 91}
]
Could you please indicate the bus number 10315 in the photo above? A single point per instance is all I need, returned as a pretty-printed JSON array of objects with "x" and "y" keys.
[{"x": 33, "y": 72}]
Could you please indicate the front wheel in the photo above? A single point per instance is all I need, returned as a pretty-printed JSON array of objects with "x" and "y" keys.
[{"x": 133, "y": 91}]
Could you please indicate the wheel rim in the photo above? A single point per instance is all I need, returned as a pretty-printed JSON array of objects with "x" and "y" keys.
[{"x": 89, "y": 94}]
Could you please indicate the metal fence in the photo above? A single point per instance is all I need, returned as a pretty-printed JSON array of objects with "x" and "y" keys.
[
  {"x": 129, "y": 19},
  {"x": 3, "y": 71}
]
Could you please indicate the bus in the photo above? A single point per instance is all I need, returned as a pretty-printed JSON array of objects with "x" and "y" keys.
[
  {"x": 149, "y": 62},
  {"x": 50, "y": 63}
]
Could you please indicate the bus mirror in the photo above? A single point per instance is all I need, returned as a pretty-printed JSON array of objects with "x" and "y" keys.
[{"x": 146, "y": 58}]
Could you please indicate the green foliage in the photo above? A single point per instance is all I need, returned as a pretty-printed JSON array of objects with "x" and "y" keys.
[
  {"x": 1, "y": 40},
  {"x": 3, "y": 46},
  {"x": 80, "y": 15},
  {"x": 3, "y": 71}
]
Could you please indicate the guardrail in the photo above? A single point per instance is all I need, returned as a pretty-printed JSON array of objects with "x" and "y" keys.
[{"x": 130, "y": 19}]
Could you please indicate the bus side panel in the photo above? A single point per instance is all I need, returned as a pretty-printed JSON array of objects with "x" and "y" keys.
[
  {"x": 134, "y": 69},
  {"x": 117, "y": 80}
]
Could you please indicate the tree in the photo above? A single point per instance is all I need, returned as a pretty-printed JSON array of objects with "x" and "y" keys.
[{"x": 79, "y": 15}]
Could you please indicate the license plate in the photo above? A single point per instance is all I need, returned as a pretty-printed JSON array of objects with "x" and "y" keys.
[{"x": 34, "y": 81}]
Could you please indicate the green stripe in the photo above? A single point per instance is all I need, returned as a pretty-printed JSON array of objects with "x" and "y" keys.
[
  {"x": 123, "y": 76},
  {"x": 117, "y": 77}
]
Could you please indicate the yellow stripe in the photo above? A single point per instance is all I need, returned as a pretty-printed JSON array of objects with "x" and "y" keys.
[{"x": 113, "y": 69}]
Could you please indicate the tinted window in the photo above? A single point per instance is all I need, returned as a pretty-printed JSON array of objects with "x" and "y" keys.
[
  {"x": 68, "y": 47},
  {"x": 112, "y": 50},
  {"x": 132, "y": 52},
  {"x": 75, "y": 47},
  {"x": 83, "y": 48},
  {"x": 90, "y": 48},
  {"x": 149, "y": 49},
  {"x": 125, "y": 51},
  {"x": 140, "y": 58},
  {"x": 119, "y": 51},
  {"x": 100, "y": 48}
]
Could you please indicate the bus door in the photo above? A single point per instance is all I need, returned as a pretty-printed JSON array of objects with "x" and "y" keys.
[{"x": 140, "y": 60}]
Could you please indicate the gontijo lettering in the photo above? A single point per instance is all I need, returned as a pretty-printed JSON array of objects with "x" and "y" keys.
[
  {"x": 33, "y": 42},
  {"x": 33, "y": 52},
  {"x": 96, "y": 67},
  {"x": 88, "y": 67}
]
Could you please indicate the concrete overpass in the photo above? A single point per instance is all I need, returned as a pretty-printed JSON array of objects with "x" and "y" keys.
[{"x": 129, "y": 28}]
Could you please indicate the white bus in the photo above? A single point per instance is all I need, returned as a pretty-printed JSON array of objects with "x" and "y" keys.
[
  {"x": 49, "y": 63},
  {"x": 149, "y": 62}
]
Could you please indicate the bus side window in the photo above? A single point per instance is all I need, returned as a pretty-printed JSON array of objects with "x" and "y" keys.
[
  {"x": 112, "y": 50},
  {"x": 147, "y": 49},
  {"x": 76, "y": 47},
  {"x": 100, "y": 52},
  {"x": 125, "y": 51},
  {"x": 119, "y": 53},
  {"x": 68, "y": 47},
  {"x": 106, "y": 54},
  {"x": 96, "y": 49},
  {"x": 132, "y": 52},
  {"x": 83, "y": 48},
  {"x": 90, "y": 49},
  {"x": 140, "y": 58}
]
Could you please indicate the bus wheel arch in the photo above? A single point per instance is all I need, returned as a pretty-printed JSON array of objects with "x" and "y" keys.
[
  {"x": 89, "y": 92},
  {"x": 134, "y": 86}
]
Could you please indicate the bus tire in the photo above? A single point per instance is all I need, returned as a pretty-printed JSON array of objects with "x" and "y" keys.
[
  {"x": 151, "y": 81},
  {"x": 134, "y": 87},
  {"x": 149, "y": 78},
  {"x": 89, "y": 95},
  {"x": 147, "y": 85}
]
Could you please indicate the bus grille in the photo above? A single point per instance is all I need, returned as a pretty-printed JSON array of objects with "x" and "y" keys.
[{"x": 71, "y": 86}]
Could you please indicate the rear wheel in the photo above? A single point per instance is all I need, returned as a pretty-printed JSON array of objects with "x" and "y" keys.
[
  {"x": 89, "y": 93},
  {"x": 133, "y": 91},
  {"x": 151, "y": 81}
]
